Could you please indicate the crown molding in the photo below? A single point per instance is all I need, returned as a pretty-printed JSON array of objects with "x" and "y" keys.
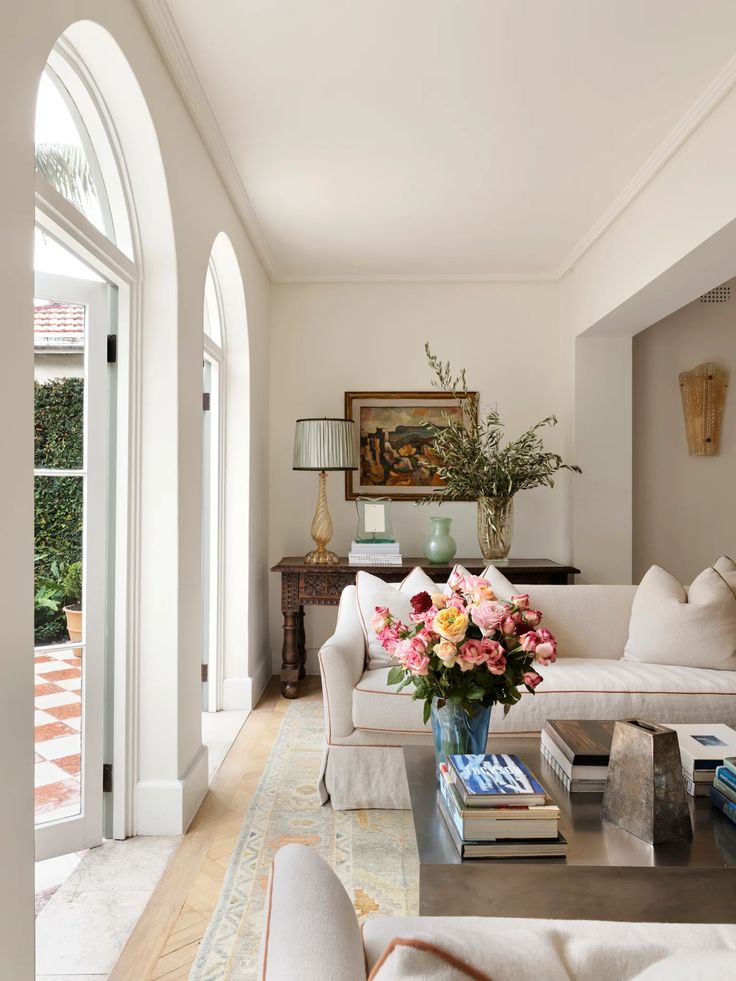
[
  {"x": 334, "y": 280},
  {"x": 678, "y": 135},
  {"x": 165, "y": 33}
]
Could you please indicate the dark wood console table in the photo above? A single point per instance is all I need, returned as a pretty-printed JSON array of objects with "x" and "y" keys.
[{"x": 320, "y": 585}]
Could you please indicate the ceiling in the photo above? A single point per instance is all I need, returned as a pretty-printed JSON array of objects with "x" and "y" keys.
[{"x": 439, "y": 138}]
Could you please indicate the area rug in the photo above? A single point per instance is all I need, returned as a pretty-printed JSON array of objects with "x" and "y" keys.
[{"x": 373, "y": 852}]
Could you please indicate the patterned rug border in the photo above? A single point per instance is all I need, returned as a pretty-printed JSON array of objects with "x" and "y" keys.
[{"x": 228, "y": 883}]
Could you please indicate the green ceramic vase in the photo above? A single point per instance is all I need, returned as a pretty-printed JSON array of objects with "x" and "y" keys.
[{"x": 440, "y": 546}]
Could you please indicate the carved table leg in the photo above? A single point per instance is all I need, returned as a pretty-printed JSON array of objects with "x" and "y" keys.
[
  {"x": 290, "y": 655},
  {"x": 302, "y": 645}
]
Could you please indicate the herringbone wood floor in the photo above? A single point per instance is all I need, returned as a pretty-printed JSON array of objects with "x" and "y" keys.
[{"x": 164, "y": 943}]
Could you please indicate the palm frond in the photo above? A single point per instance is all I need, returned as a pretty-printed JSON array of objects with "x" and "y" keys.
[{"x": 65, "y": 167}]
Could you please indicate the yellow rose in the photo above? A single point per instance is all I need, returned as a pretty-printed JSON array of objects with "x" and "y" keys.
[
  {"x": 439, "y": 599},
  {"x": 450, "y": 624},
  {"x": 481, "y": 592},
  {"x": 446, "y": 652}
]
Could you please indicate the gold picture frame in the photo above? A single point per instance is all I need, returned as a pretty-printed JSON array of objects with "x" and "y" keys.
[{"x": 392, "y": 442}]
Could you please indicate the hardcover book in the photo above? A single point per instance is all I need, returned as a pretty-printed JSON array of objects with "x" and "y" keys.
[
  {"x": 584, "y": 742},
  {"x": 704, "y": 746},
  {"x": 497, "y": 823},
  {"x": 723, "y": 804},
  {"x": 556, "y": 848},
  {"x": 494, "y": 780}
]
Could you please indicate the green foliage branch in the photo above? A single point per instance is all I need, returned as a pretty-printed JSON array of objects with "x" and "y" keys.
[{"x": 475, "y": 463}]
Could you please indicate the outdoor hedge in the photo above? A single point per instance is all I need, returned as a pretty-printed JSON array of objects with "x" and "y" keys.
[{"x": 58, "y": 443}]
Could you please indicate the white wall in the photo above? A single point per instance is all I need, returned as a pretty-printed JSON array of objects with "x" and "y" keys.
[
  {"x": 683, "y": 505},
  {"x": 200, "y": 209},
  {"x": 329, "y": 339}
]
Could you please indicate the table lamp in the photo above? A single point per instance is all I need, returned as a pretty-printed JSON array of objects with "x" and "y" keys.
[{"x": 322, "y": 445}]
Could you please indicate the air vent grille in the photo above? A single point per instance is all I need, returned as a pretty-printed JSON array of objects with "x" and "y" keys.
[{"x": 719, "y": 294}]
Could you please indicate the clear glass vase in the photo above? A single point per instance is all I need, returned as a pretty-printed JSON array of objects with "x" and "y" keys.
[
  {"x": 495, "y": 526},
  {"x": 457, "y": 732}
]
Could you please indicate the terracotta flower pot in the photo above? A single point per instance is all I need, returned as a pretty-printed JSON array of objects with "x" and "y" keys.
[{"x": 74, "y": 625}]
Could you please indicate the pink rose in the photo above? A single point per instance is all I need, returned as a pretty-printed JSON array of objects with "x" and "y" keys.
[
  {"x": 522, "y": 601},
  {"x": 380, "y": 618},
  {"x": 446, "y": 652},
  {"x": 532, "y": 617},
  {"x": 472, "y": 652},
  {"x": 531, "y": 679},
  {"x": 480, "y": 591},
  {"x": 456, "y": 581},
  {"x": 510, "y": 623},
  {"x": 402, "y": 650},
  {"x": 528, "y": 641},
  {"x": 495, "y": 656},
  {"x": 439, "y": 600},
  {"x": 417, "y": 663},
  {"x": 388, "y": 638},
  {"x": 488, "y": 615},
  {"x": 426, "y": 618},
  {"x": 421, "y": 641},
  {"x": 546, "y": 649},
  {"x": 457, "y": 601}
]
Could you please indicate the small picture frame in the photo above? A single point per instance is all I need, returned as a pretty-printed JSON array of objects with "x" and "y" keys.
[
  {"x": 374, "y": 520},
  {"x": 394, "y": 443}
]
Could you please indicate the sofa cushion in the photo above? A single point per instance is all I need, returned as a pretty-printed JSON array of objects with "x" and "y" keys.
[
  {"x": 587, "y": 621},
  {"x": 372, "y": 592},
  {"x": 672, "y": 625},
  {"x": 590, "y": 950},
  {"x": 573, "y": 688}
]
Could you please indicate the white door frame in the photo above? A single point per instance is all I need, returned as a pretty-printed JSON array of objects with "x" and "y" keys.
[
  {"x": 213, "y": 500},
  {"x": 85, "y": 829}
]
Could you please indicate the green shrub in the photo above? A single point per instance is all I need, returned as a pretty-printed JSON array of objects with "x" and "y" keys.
[{"x": 58, "y": 443}]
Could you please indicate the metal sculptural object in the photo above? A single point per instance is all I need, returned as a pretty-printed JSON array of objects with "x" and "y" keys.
[
  {"x": 645, "y": 791},
  {"x": 703, "y": 391}
]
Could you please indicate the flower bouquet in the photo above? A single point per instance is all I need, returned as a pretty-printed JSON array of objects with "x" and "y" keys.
[{"x": 464, "y": 651}]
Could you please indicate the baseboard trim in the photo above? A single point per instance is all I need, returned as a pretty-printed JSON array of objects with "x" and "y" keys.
[
  {"x": 167, "y": 807},
  {"x": 242, "y": 694}
]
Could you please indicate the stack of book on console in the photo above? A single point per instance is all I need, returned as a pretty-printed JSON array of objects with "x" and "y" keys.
[
  {"x": 494, "y": 807},
  {"x": 374, "y": 553},
  {"x": 703, "y": 748},
  {"x": 723, "y": 791},
  {"x": 579, "y": 751}
]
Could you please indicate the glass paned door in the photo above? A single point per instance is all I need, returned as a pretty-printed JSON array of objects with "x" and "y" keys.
[{"x": 71, "y": 435}]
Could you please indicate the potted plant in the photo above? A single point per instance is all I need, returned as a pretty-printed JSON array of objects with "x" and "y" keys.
[
  {"x": 476, "y": 467},
  {"x": 72, "y": 589}
]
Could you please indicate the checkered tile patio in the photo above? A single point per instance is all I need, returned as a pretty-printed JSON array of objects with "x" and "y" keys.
[{"x": 58, "y": 723}]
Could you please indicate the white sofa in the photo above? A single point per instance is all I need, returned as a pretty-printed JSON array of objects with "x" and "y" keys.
[
  {"x": 311, "y": 933},
  {"x": 367, "y": 721}
]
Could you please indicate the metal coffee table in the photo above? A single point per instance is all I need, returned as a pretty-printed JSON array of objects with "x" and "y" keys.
[{"x": 608, "y": 874}]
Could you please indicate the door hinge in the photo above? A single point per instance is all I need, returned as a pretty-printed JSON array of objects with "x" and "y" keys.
[
  {"x": 107, "y": 778},
  {"x": 206, "y": 401},
  {"x": 112, "y": 348},
  {"x": 205, "y": 672}
]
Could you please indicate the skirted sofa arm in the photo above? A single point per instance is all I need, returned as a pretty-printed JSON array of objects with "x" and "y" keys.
[
  {"x": 341, "y": 662},
  {"x": 310, "y": 930}
]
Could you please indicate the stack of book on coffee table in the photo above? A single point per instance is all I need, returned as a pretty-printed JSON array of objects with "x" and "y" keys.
[
  {"x": 494, "y": 807},
  {"x": 704, "y": 748},
  {"x": 579, "y": 751}
]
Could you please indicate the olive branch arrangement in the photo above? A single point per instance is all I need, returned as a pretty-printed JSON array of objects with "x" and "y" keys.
[{"x": 474, "y": 463}]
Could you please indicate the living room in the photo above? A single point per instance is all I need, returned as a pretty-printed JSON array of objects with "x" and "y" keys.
[{"x": 256, "y": 215}]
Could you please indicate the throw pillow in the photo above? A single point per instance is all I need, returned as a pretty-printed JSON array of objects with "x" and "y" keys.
[
  {"x": 373, "y": 592},
  {"x": 466, "y": 953},
  {"x": 501, "y": 586},
  {"x": 694, "y": 628},
  {"x": 727, "y": 568}
]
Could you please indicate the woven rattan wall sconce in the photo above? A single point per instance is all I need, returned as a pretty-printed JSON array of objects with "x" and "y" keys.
[{"x": 703, "y": 391}]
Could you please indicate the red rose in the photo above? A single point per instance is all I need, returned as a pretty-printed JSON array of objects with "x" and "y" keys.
[{"x": 421, "y": 602}]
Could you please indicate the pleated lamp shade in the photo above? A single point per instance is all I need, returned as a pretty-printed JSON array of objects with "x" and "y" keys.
[{"x": 324, "y": 444}]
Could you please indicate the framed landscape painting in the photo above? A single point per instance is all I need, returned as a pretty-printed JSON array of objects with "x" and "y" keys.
[{"x": 394, "y": 442}]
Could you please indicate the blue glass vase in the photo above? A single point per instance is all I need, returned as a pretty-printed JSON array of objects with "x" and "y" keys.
[{"x": 457, "y": 732}]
